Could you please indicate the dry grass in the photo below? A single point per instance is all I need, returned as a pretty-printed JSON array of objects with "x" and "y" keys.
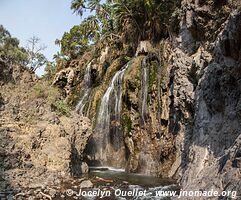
[{"x": 44, "y": 90}]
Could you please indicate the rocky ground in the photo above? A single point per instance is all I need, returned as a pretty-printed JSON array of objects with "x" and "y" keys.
[{"x": 39, "y": 147}]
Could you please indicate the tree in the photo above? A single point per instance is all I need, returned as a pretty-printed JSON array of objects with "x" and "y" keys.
[
  {"x": 50, "y": 70},
  {"x": 145, "y": 19},
  {"x": 10, "y": 51},
  {"x": 133, "y": 20},
  {"x": 79, "y": 6},
  {"x": 34, "y": 50},
  {"x": 75, "y": 42},
  {"x": 60, "y": 60}
]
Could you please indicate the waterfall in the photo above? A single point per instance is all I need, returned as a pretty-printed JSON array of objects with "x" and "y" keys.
[
  {"x": 159, "y": 100},
  {"x": 110, "y": 141},
  {"x": 85, "y": 90},
  {"x": 145, "y": 73},
  {"x": 144, "y": 90}
]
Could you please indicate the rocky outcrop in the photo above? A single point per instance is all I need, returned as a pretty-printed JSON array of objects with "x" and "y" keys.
[
  {"x": 191, "y": 128},
  {"x": 53, "y": 147},
  {"x": 190, "y": 91},
  {"x": 144, "y": 48},
  {"x": 38, "y": 147},
  {"x": 211, "y": 139},
  {"x": 15, "y": 74},
  {"x": 65, "y": 79},
  {"x": 104, "y": 55}
]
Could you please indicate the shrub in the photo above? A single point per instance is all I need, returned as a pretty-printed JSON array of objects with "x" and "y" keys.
[{"x": 62, "y": 108}]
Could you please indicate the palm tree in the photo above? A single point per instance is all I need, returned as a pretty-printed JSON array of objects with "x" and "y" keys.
[
  {"x": 124, "y": 20},
  {"x": 144, "y": 19},
  {"x": 79, "y": 6}
]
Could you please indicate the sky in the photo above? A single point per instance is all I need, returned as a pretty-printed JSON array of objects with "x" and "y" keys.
[{"x": 46, "y": 19}]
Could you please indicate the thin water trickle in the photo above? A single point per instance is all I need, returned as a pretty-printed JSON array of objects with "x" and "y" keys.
[
  {"x": 144, "y": 91},
  {"x": 85, "y": 91}
]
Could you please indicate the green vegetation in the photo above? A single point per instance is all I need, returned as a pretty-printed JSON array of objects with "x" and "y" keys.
[
  {"x": 44, "y": 90},
  {"x": 127, "y": 123},
  {"x": 124, "y": 59},
  {"x": 75, "y": 42},
  {"x": 62, "y": 108},
  {"x": 39, "y": 91},
  {"x": 10, "y": 51},
  {"x": 143, "y": 19},
  {"x": 118, "y": 22},
  {"x": 50, "y": 71}
]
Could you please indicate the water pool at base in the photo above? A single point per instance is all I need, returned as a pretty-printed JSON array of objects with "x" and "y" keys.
[{"x": 116, "y": 184}]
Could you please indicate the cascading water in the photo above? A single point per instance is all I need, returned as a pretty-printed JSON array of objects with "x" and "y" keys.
[
  {"x": 144, "y": 90},
  {"x": 110, "y": 149},
  {"x": 85, "y": 91},
  {"x": 145, "y": 73},
  {"x": 148, "y": 67}
]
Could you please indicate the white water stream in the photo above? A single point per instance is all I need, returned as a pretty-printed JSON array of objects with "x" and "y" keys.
[{"x": 85, "y": 91}]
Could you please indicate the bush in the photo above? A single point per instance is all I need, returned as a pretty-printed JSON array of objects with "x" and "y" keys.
[
  {"x": 62, "y": 108},
  {"x": 44, "y": 90}
]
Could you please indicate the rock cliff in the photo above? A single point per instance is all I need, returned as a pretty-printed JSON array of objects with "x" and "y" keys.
[
  {"x": 206, "y": 87},
  {"x": 180, "y": 99}
]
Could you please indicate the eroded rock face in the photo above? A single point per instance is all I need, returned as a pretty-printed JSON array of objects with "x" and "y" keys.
[
  {"x": 5, "y": 71},
  {"x": 194, "y": 134},
  {"x": 104, "y": 55},
  {"x": 204, "y": 111},
  {"x": 215, "y": 138},
  {"x": 37, "y": 147},
  {"x": 53, "y": 148},
  {"x": 192, "y": 98},
  {"x": 144, "y": 48},
  {"x": 15, "y": 74},
  {"x": 150, "y": 147},
  {"x": 65, "y": 79}
]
